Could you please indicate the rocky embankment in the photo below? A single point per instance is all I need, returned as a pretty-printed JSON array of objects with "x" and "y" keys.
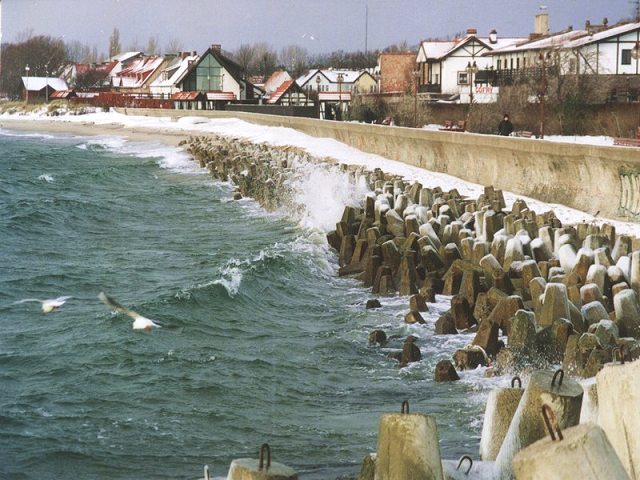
[
  {"x": 555, "y": 293},
  {"x": 535, "y": 293}
]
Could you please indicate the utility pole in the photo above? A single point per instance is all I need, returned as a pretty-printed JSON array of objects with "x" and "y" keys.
[
  {"x": 366, "y": 27},
  {"x": 636, "y": 9}
]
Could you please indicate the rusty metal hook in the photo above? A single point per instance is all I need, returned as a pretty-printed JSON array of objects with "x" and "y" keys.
[
  {"x": 261, "y": 455},
  {"x": 622, "y": 352},
  {"x": 462, "y": 459},
  {"x": 405, "y": 407},
  {"x": 555, "y": 375},
  {"x": 551, "y": 422},
  {"x": 513, "y": 382}
]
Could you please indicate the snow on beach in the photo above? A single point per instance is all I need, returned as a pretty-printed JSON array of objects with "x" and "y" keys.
[{"x": 326, "y": 147}]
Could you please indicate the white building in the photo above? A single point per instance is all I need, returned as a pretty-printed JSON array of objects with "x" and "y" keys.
[{"x": 443, "y": 66}]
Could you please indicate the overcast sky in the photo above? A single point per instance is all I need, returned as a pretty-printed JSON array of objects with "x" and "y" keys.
[{"x": 321, "y": 26}]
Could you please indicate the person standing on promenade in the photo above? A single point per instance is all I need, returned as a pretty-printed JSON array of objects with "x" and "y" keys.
[{"x": 505, "y": 127}]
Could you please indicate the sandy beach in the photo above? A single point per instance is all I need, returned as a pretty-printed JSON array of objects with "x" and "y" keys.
[{"x": 168, "y": 137}]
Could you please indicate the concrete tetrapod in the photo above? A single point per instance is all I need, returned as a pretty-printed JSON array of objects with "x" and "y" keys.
[
  {"x": 502, "y": 404},
  {"x": 251, "y": 469},
  {"x": 527, "y": 426},
  {"x": 619, "y": 390},
  {"x": 582, "y": 451},
  {"x": 408, "y": 447}
]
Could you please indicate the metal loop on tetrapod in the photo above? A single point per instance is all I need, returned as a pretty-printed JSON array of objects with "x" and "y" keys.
[
  {"x": 514, "y": 380},
  {"x": 551, "y": 422},
  {"x": 555, "y": 375},
  {"x": 404, "y": 409},
  {"x": 622, "y": 351},
  {"x": 263, "y": 447},
  {"x": 462, "y": 459}
]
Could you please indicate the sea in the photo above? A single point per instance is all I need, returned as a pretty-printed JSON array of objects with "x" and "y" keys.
[{"x": 263, "y": 341}]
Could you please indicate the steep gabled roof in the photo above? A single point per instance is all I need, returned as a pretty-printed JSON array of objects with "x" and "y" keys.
[
  {"x": 176, "y": 70},
  {"x": 287, "y": 86},
  {"x": 440, "y": 49},
  {"x": 276, "y": 80}
]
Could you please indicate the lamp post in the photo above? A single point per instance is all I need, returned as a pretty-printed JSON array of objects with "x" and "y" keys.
[
  {"x": 471, "y": 70},
  {"x": 46, "y": 87},
  {"x": 318, "y": 87},
  {"x": 635, "y": 53},
  {"x": 542, "y": 90},
  {"x": 416, "y": 78},
  {"x": 26, "y": 69},
  {"x": 340, "y": 79}
]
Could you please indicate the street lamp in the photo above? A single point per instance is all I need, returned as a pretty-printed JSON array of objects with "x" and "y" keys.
[
  {"x": 471, "y": 69},
  {"x": 340, "y": 79},
  {"x": 46, "y": 87},
  {"x": 26, "y": 69},
  {"x": 542, "y": 90},
  {"x": 416, "y": 77},
  {"x": 318, "y": 87}
]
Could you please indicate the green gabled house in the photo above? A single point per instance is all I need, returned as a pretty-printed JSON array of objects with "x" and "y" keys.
[{"x": 220, "y": 79}]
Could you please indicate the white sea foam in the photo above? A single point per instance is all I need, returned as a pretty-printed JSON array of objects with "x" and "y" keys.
[
  {"x": 231, "y": 278},
  {"x": 46, "y": 178}
]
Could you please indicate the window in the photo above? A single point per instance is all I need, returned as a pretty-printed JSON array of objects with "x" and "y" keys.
[
  {"x": 511, "y": 61},
  {"x": 518, "y": 63},
  {"x": 626, "y": 57},
  {"x": 499, "y": 64},
  {"x": 207, "y": 77},
  {"x": 463, "y": 78}
]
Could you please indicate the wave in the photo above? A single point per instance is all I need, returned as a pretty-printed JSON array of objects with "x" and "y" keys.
[
  {"x": 46, "y": 178},
  {"x": 170, "y": 158},
  {"x": 11, "y": 133}
]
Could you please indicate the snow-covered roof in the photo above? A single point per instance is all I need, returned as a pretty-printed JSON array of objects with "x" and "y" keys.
[
  {"x": 175, "y": 71},
  {"x": 604, "y": 34},
  {"x": 137, "y": 73},
  {"x": 439, "y": 49},
  {"x": 35, "y": 84},
  {"x": 348, "y": 76},
  {"x": 558, "y": 40},
  {"x": 123, "y": 57},
  {"x": 275, "y": 81}
]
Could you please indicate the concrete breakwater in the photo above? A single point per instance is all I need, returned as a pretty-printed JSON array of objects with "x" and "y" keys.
[{"x": 534, "y": 292}]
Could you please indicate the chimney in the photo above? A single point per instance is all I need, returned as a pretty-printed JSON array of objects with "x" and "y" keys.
[
  {"x": 493, "y": 36},
  {"x": 216, "y": 47},
  {"x": 472, "y": 31},
  {"x": 541, "y": 25}
]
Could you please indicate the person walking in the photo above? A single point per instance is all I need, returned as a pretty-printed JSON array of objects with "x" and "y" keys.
[{"x": 505, "y": 127}]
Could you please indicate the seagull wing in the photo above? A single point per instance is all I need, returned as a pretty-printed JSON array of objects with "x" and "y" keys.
[
  {"x": 24, "y": 300},
  {"x": 107, "y": 300},
  {"x": 110, "y": 301},
  {"x": 58, "y": 301}
]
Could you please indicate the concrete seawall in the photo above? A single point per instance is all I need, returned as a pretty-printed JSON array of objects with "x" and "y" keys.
[{"x": 586, "y": 177}]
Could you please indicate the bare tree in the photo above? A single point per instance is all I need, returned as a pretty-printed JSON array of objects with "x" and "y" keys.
[
  {"x": 44, "y": 55},
  {"x": 114, "y": 43},
  {"x": 294, "y": 59},
  {"x": 152, "y": 46},
  {"x": 174, "y": 46},
  {"x": 244, "y": 56}
]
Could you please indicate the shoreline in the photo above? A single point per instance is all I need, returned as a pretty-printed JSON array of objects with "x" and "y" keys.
[{"x": 170, "y": 138}]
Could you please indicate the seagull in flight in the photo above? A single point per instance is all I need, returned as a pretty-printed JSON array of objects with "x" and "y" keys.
[
  {"x": 49, "y": 305},
  {"x": 139, "y": 322}
]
